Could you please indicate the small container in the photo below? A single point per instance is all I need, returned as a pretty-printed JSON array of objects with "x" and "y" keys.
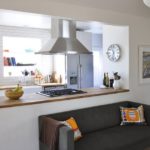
[
  {"x": 111, "y": 81},
  {"x": 60, "y": 79},
  {"x": 116, "y": 84},
  {"x": 13, "y": 95}
]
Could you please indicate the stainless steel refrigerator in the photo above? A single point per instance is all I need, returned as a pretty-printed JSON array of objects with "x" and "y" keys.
[{"x": 79, "y": 70}]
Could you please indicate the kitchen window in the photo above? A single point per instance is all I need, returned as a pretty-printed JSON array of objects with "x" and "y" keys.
[
  {"x": 21, "y": 43},
  {"x": 19, "y": 55}
]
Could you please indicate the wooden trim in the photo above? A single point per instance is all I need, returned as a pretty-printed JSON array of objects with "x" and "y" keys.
[
  {"x": 6, "y": 87},
  {"x": 30, "y": 99}
]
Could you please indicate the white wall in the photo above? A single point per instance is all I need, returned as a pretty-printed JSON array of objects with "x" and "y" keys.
[
  {"x": 117, "y": 35},
  {"x": 59, "y": 66},
  {"x": 97, "y": 48}
]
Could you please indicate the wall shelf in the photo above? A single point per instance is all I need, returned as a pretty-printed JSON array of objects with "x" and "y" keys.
[{"x": 22, "y": 65}]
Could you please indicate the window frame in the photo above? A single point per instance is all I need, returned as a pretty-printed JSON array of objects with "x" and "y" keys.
[{"x": 43, "y": 34}]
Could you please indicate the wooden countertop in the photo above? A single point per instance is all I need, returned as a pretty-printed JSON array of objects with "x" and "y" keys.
[
  {"x": 51, "y": 84},
  {"x": 5, "y": 87},
  {"x": 30, "y": 99}
]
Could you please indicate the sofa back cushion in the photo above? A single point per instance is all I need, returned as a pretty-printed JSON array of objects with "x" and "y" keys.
[{"x": 94, "y": 118}]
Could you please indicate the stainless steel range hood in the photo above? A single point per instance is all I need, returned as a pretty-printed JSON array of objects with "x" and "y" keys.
[{"x": 64, "y": 41}]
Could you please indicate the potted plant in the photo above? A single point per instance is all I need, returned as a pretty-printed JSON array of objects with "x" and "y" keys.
[{"x": 116, "y": 84}]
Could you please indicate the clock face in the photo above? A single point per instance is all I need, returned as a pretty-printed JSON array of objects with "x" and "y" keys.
[{"x": 113, "y": 52}]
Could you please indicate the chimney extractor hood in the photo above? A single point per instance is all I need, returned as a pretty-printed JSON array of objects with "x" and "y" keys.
[{"x": 64, "y": 41}]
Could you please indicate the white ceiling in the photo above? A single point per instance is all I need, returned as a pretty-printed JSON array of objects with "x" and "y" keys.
[
  {"x": 91, "y": 26},
  {"x": 31, "y": 20},
  {"x": 22, "y": 19},
  {"x": 134, "y": 7}
]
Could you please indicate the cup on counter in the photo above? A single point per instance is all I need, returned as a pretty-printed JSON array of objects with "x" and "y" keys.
[{"x": 111, "y": 81}]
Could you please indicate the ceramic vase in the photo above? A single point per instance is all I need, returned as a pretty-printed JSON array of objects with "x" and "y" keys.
[{"x": 116, "y": 84}]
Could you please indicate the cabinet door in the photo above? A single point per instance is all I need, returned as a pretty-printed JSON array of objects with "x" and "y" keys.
[{"x": 86, "y": 70}]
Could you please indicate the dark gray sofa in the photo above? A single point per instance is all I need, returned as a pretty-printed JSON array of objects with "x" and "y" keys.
[{"x": 101, "y": 129}]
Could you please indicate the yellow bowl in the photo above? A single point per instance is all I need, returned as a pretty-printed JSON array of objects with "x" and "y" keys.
[{"x": 13, "y": 95}]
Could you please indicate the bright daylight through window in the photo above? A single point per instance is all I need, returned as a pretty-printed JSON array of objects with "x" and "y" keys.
[{"x": 19, "y": 55}]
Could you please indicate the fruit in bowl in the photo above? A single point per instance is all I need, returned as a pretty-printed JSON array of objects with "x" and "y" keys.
[{"x": 14, "y": 94}]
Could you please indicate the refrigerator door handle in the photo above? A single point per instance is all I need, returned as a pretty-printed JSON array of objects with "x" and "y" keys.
[{"x": 79, "y": 75}]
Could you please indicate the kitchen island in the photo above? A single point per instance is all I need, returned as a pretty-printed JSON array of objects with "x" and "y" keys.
[
  {"x": 34, "y": 98},
  {"x": 19, "y": 119}
]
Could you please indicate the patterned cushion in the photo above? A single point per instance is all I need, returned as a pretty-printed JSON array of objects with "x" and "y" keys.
[
  {"x": 132, "y": 115},
  {"x": 71, "y": 123}
]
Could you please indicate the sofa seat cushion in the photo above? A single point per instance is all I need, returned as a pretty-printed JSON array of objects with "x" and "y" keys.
[{"x": 115, "y": 138}]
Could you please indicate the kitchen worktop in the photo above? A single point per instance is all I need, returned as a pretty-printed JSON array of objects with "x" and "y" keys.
[
  {"x": 51, "y": 84},
  {"x": 4, "y": 87},
  {"x": 33, "y": 98}
]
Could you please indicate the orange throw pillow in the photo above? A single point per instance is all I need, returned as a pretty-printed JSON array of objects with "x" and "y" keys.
[
  {"x": 132, "y": 115},
  {"x": 71, "y": 123}
]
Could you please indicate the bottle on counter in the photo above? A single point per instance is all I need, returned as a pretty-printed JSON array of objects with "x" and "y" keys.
[
  {"x": 104, "y": 79},
  {"x": 60, "y": 79},
  {"x": 107, "y": 80},
  {"x": 54, "y": 77},
  {"x": 111, "y": 81}
]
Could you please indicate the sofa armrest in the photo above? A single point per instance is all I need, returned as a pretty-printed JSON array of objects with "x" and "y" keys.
[
  {"x": 66, "y": 138},
  {"x": 147, "y": 113}
]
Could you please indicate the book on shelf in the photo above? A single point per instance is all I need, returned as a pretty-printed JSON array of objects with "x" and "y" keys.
[
  {"x": 9, "y": 61},
  {"x": 13, "y": 60},
  {"x": 5, "y": 61}
]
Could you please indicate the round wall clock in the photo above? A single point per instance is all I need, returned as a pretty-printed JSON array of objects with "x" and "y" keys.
[{"x": 113, "y": 52}]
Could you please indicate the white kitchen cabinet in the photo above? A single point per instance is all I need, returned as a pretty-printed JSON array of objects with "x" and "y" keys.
[
  {"x": 97, "y": 41},
  {"x": 85, "y": 38}
]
